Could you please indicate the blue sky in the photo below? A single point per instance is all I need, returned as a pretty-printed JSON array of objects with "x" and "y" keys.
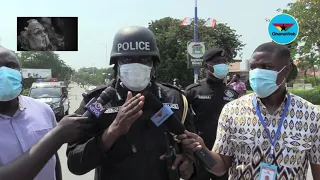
[{"x": 100, "y": 19}]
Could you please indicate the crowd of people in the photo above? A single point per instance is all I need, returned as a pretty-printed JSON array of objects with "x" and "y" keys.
[{"x": 269, "y": 134}]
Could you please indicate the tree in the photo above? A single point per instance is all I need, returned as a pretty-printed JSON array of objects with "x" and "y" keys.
[
  {"x": 307, "y": 44},
  {"x": 92, "y": 75},
  {"x": 45, "y": 60},
  {"x": 172, "y": 40}
]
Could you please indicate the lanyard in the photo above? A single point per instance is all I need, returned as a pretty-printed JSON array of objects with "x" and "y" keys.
[{"x": 272, "y": 141}]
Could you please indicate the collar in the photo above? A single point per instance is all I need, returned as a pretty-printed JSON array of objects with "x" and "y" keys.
[
  {"x": 215, "y": 83},
  {"x": 280, "y": 109},
  {"x": 22, "y": 105}
]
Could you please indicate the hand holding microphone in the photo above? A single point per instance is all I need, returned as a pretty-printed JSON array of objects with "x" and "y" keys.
[
  {"x": 73, "y": 127},
  {"x": 191, "y": 142},
  {"x": 166, "y": 116}
]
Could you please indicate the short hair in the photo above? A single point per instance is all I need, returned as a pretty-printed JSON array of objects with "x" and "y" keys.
[
  {"x": 6, "y": 54},
  {"x": 280, "y": 51},
  {"x": 238, "y": 75}
]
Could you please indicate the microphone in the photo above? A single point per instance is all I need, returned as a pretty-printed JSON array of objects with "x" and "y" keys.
[
  {"x": 165, "y": 115},
  {"x": 95, "y": 107}
]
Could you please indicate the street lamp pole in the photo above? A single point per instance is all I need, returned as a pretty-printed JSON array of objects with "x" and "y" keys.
[
  {"x": 107, "y": 55},
  {"x": 196, "y": 70}
]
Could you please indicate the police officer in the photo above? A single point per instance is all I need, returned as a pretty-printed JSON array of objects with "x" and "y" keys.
[
  {"x": 126, "y": 145},
  {"x": 207, "y": 99}
]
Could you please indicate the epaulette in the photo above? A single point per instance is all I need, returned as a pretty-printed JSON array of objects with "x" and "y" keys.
[
  {"x": 172, "y": 86},
  {"x": 192, "y": 86},
  {"x": 94, "y": 92}
]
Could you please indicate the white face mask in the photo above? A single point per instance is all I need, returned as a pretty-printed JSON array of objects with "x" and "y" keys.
[{"x": 135, "y": 76}]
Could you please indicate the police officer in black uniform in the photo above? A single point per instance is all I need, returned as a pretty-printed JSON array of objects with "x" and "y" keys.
[
  {"x": 126, "y": 145},
  {"x": 207, "y": 99}
]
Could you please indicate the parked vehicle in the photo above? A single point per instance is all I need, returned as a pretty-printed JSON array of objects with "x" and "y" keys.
[{"x": 55, "y": 94}]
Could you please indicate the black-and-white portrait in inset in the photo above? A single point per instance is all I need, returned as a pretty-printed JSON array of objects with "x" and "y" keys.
[{"x": 47, "y": 34}]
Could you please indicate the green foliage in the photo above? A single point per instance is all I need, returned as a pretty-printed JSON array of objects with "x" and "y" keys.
[
  {"x": 92, "y": 75},
  {"x": 249, "y": 92},
  {"x": 25, "y": 92},
  {"x": 172, "y": 40},
  {"x": 307, "y": 14},
  {"x": 44, "y": 60},
  {"x": 311, "y": 95},
  {"x": 308, "y": 42},
  {"x": 311, "y": 80}
]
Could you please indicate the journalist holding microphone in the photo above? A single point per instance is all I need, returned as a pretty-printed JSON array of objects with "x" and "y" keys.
[
  {"x": 28, "y": 165},
  {"x": 23, "y": 122},
  {"x": 130, "y": 140},
  {"x": 269, "y": 134}
]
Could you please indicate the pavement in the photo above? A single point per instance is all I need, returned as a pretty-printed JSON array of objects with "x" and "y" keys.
[{"x": 75, "y": 96}]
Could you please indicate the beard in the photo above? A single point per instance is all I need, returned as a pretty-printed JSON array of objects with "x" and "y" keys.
[{"x": 38, "y": 42}]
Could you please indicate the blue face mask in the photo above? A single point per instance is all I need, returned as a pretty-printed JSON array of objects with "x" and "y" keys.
[
  {"x": 263, "y": 82},
  {"x": 220, "y": 71},
  {"x": 10, "y": 84}
]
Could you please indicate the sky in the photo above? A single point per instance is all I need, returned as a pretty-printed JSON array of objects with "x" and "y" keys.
[{"x": 99, "y": 20}]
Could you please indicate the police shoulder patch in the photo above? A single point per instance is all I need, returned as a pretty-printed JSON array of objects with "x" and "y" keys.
[{"x": 230, "y": 94}]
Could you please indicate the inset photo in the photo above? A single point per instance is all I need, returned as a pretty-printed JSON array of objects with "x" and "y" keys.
[{"x": 47, "y": 33}]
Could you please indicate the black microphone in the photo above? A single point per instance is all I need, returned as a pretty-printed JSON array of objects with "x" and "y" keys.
[
  {"x": 95, "y": 107},
  {"x": 165, "y": 115}
]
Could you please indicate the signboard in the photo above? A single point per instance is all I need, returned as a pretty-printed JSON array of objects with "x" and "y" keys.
[
  {"x": 196, "y": 62},
  {"x": 36, "y": 73},
  {"x": 196, "y": 49}
]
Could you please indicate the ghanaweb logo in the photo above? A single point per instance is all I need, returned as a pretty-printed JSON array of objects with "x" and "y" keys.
[{"x": 283, "y": 29}]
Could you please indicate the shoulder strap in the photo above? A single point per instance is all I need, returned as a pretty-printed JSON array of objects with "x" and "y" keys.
[{"x": 185, "y": 108}]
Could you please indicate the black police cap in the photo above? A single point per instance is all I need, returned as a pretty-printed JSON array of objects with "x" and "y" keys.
[{"x": 213, "y": 53}]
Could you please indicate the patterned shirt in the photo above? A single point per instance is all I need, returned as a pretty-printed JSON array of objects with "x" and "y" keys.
[{"x": 242, "y": 136}]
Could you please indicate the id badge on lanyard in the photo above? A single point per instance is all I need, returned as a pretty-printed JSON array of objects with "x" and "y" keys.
[{"x": 269, "y": 171}]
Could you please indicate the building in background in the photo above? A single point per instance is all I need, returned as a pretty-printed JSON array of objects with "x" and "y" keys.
[{"x": 236, "y": 68}]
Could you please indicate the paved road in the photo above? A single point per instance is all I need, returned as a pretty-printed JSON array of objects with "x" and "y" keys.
[{"x": 75, "y": 99}]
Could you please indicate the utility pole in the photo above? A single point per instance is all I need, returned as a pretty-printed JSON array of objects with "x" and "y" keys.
[
  {"x": 195, "y": 36},
  {"x": 107, "y": 55}
]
